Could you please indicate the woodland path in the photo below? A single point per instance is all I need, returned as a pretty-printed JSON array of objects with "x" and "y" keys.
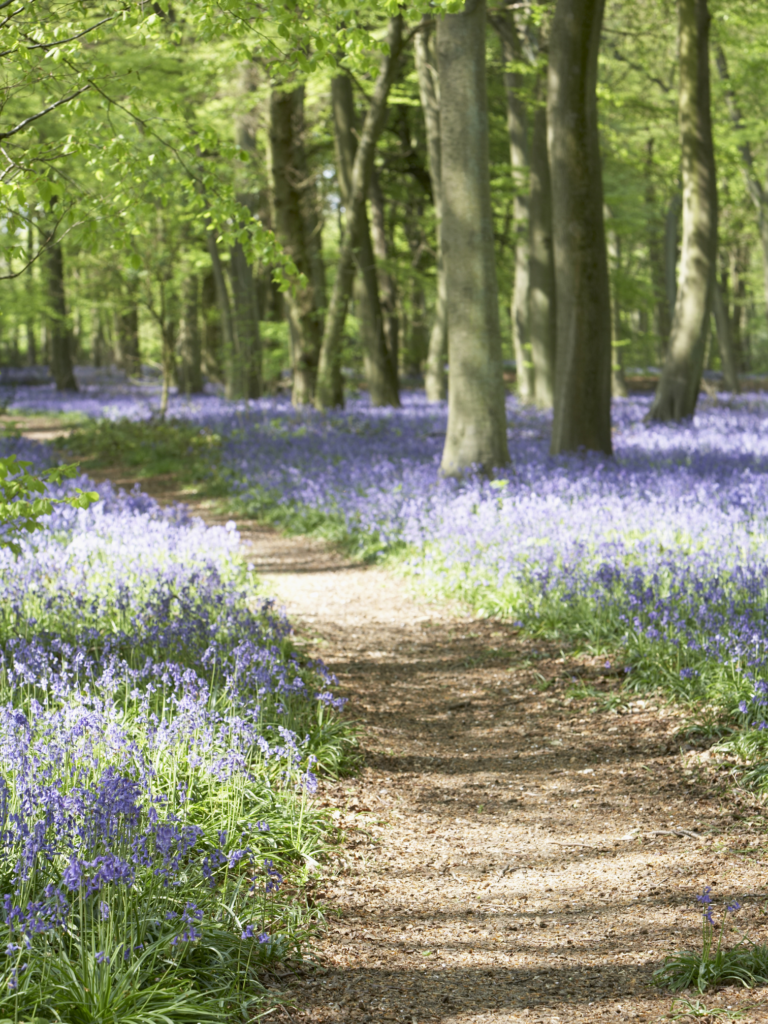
[{"x": 501, "y": 862}]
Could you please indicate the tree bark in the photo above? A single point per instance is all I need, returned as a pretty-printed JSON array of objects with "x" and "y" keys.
[
  {"x": 583, "y": 362},
  {"x": 387, "y": 285},
  {"x": 517, "y": 130},
  {"x": 678, "y": 388},
  {"x": 298, "y": 229},
  {"x": 476, "y": 434},
  {"x": 57, "y": 321},
  {"x": 235, "y": 375},
  {"x": 618, "y": 384},
  {"x": 435, "y": 384},
  {"x": 245, "y": 367},
  {"x": 329, "y": 386},
  {"x": 212, "y": 333},
  {"x": 662, "y": 306},
  {"x": 127, "y": 334},
  {"x": 542, "y": 323},
  {"x": 671, "y": 225},
  {"x": 724, "y": 339},
  {"x": 189, "y": 371},
  {"x": 755, "y": 189},
  {"x": 380, "y": 370}
]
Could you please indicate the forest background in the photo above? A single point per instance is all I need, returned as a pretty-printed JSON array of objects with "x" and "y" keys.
[{"x": 150, "y": 150}]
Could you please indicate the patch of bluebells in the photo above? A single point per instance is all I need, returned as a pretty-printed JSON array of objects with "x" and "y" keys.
[
  {"x": 144, "y": 696},
  {"x": 661, "y": 548}
]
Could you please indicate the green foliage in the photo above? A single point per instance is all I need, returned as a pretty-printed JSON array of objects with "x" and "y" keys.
[{"x": 20, "y": 510}]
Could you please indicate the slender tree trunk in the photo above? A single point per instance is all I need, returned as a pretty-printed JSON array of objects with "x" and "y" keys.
[
  {"x": 517, "y": 129},
  {"x": 387, "y": 285},
  {"x": 189, "y": 372},
  {"x": 212, "y": 334},
  {"x": 30, "y": 297},
  {"x": 298, "y": 229},
  {"x": 435, "y": 384},
  {"x": 235, "y": 376},
  {"x": 678, "y": 388},
  {"x": 127, "y": 332},
  {"x": 245, "y": 368},
  {"x": 57, "y": 321},
  {"x": 738, "y": 291},
  {"x": 662, "y": 306},
  {"x": 758, "y": 193},
  {"x": 476, "y": 433},
  {"x": 380, "y": 371},
  {"x": 329, "y": 389},
  {"x": 618, "y": 384},
  {"x": 542, "y": 323},
  {"x": 724, "y": 339},
  {"x": 583, "y": 364}
]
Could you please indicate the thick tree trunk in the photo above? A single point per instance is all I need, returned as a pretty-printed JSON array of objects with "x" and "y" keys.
[
  {"x": 435, "y": 384},
  {"x": 245, "y": 369},
  {"x": 517, "y": 129},
  {"x": 57, "y": 322},
  {"x": 724, "y": 339},
  {"x": 583, "y": 363},
  {"x": 189, "y": 371},
  {"x": 476, "y": 433},
  {"x": 542, "y": 323},
  {"x": 298, "y": 229},
  {"x": 329, "y": 388},
  {"x": 678, "y": 388},
  {"x": 662, "y": 306},
  {"x": 671, "y": 231},
  {"x": 380, "y": 370}
]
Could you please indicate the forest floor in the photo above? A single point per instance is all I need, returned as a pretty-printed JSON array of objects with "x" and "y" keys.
[{"x": 512, "y": 854}]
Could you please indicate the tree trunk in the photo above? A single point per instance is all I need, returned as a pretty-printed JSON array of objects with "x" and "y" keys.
[
  {"x": 298, "y": 229},
  {"x": 517, "y": 129},
  {"x": 189, "y": 373},
  {"x": 380, "y": 371},
  {"x": 329, "y": 387},
  {"x": 435, "y": 384},
  {"x": 724, "y": 340},
  {"x": 245, "y": 368},
  {"x": 662, "y": 306},
  {"x": 757, "y": 192},
  {"x": 235, "y": 386},
  {"x": 583, "y": 362},
  {"x": 542, "y": 324},
  {"x": 127, "y": 335},
  {"x": 57, "y": 322},
  {"x": 387, "y": 285},
  {"x": 213, "y": 342},
  {"x": 618, "y": 384},
  {"x": 30, "y": 297},
  {"x": 738, "y": 291},
  {"x": 476, "y": 433},
  {"x": 671, "y": 225},
  {"x": 678, "y": 388}
]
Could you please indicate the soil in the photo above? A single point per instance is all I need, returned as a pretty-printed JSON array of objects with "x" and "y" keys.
[{"x": 512, "y": 853}]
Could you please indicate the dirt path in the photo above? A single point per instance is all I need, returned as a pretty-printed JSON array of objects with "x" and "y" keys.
[{"x": 501, "y": 864}]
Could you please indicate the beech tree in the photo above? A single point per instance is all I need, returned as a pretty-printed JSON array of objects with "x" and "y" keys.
[
  {"x": 476, "y": 434},
  {"x": 583, "y": 360},
  {"x": 678, "y": 388}
]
